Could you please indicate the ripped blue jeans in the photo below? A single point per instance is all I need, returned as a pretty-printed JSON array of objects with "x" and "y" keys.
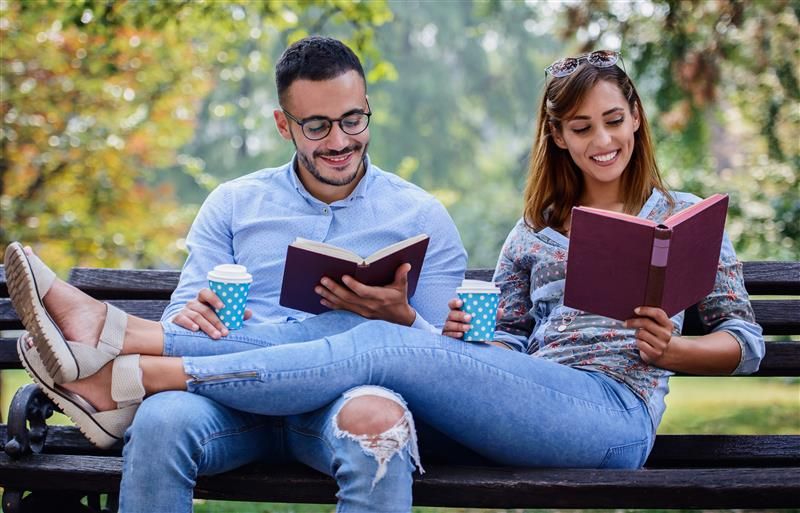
[
  {"x": 178, "y": 436},
  {"x": 509, "y": 407}
]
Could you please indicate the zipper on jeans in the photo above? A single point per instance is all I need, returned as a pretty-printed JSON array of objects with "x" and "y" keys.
[{"x": 223, "y": 377}]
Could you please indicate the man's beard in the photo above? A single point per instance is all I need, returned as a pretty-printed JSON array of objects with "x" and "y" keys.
[{"x": 308, "y": 163}]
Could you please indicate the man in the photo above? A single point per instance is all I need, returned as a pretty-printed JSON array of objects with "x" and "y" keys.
[{"x": 329, "y": 192}]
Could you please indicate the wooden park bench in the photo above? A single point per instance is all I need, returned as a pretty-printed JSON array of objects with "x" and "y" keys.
[{"x": 59, "y": 467}]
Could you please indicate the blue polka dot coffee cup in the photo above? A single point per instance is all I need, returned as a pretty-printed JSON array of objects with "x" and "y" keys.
[
  {"x": 480, "y": 299},
  {"x": 231, "y": 283}
]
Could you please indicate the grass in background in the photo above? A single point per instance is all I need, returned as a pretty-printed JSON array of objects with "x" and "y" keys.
[{"x": 740, "y": 405}]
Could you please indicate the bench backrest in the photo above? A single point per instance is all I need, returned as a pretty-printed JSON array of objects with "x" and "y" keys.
[{"x": 774, "y": 288}]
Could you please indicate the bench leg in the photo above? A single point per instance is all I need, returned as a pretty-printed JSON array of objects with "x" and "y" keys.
[
  {"x": 27, "y": 426},
  {"x": 12, "y": 501},
  {"x": 62, "y": 501},
  {"x": 45, "y": 502},
  {"x": 27, "y": 431}
]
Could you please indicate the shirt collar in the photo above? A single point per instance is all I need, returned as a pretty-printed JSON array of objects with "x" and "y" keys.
[
  {"x": 655, "y": 197},
  {"x": 359, "y": 192}
]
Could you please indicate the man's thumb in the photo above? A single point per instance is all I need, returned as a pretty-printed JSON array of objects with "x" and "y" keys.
[{"x": 401, "y": 274}]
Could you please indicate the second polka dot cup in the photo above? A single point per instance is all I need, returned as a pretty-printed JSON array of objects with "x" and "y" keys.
[
  {"x": 480, "y": 300},
  {"x": 231, "y": 283}
]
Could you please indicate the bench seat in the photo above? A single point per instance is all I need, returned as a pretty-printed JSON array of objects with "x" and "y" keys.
[{"x": 683, "y": 471}]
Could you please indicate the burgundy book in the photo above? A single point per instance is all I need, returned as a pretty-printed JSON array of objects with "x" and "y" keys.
[
  {"x": 308, "y": 261},
  {"x": 617, "y": 262}
]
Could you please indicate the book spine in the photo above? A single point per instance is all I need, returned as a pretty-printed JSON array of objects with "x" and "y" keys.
[{"x": 658, "y": 266}]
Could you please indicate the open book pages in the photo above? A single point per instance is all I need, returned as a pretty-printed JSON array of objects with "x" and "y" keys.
[
  {"x": 344, "y": 254},
  {"x": 670, "y": 222}
]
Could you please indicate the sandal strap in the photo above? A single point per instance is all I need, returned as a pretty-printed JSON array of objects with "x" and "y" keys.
[
  {"x": 113, "y": 334},
  {"x": 92, "y": 359},
  {"x": 126, "y": 381},
  {"x": 43, "y": 275},
  {"x": 115, "y": 422}
]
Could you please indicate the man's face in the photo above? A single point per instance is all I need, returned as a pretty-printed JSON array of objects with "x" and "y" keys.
[{"x": 334, "y": 161}]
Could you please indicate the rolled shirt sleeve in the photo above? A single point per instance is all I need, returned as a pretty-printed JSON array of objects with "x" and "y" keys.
[{"x": 727, "y": 308}]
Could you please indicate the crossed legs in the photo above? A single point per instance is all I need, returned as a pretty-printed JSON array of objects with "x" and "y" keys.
[{"x": 354, "y": 439}]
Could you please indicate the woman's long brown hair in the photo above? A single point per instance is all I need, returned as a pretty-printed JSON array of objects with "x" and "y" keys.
[{"x": 555, "y": 182}]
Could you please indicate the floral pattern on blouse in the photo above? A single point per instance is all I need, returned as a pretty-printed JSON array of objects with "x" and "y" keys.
[{"x": 530, "y": 274}]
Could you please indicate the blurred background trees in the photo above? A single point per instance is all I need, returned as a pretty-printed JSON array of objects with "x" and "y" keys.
[{"x": 119, "y": 117}]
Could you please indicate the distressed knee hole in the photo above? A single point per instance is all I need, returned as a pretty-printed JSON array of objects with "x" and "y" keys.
[
  {"x": 379, "y": 421},
  {"x": 369, "y": 415}
]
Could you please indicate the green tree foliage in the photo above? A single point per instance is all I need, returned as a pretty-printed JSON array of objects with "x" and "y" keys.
[
  {"x": 722, "y": 76},
  {"x": 119, "y": 117},
  {"x": 459, "y": 120},
  {"x": 97, "y": 97}
]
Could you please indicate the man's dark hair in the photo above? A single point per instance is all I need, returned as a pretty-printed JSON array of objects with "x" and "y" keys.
[{"x": 314, "y": 58}]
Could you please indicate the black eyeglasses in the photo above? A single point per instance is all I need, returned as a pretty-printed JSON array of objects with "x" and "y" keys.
[
  {"x": 568, "y": 65},
  {"x": 319, "y": 127}
]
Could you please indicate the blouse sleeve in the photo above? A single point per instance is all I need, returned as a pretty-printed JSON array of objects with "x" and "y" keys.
[
  {"x": 512, "y": 276},
  {"x": 728, "y": 308}
]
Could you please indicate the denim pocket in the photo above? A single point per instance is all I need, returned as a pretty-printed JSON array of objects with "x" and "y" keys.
[{"x": 631, "y": 455}]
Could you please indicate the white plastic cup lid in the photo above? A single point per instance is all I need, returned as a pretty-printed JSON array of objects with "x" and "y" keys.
[
  {"x": 478, "y": 287},
  {"x": 230, "y": 273}
]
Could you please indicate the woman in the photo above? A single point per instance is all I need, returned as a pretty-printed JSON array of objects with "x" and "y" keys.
[{"x": 574, "y": 390}]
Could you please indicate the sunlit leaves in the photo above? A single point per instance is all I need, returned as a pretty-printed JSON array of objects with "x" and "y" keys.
[{"x": 97, "y": 98}]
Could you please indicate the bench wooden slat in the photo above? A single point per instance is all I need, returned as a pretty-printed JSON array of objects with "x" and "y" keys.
[
  {"x": 453, "y": 486},
  {"x": 125, "y": 283},
  {"x": 762, "y": 278},
  {"x": 772, "y": 278},
  {"x": 8, "y": 354},
  {"x": 777, "y": 317},
  {"x": 150, "y": 309},
  {"x": 669, "y": 451},
  {"x": 781, "y": 359}
]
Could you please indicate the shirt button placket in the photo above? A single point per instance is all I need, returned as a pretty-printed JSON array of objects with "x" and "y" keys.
[{"x": 326, "y": 221}]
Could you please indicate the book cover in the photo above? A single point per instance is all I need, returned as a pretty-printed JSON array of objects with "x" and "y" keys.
[
  {"x": 617, "y": 262},
  {"x": 308, "y": 261}
]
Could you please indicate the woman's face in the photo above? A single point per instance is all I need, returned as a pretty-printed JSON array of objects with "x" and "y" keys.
[{"x": 599, "y": 135}]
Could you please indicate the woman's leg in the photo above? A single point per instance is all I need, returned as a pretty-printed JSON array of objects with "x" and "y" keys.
[
  {"x": 512, "y": 408},
  {"x": 80, "y": 318},
  {"x": 507, "y": 406}
]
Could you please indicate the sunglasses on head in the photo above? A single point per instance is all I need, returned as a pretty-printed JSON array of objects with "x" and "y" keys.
[{"x": 568, "y": 65}]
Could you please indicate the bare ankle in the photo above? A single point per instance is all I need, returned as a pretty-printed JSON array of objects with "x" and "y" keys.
[
  {"x": 95, "y": 389},
  {"x": 143, "y": 337}
]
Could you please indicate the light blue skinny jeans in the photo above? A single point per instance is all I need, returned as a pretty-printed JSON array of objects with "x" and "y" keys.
[
  {"x": 509, "y": 407},
  {"x": 178, "y": 436}
]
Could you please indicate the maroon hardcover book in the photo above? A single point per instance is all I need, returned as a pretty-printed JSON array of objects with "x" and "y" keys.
[
  {"x": 308, "y": 261},
  {"x": 617, "y": 262}
]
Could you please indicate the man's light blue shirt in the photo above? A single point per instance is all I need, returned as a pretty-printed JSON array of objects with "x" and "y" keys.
[{"x": 251, "y": 221}]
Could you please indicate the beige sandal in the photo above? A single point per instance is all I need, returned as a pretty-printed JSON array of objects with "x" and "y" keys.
[
  {"x": 105, "y": 428},
  {"x": 29, "y": 279}
]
